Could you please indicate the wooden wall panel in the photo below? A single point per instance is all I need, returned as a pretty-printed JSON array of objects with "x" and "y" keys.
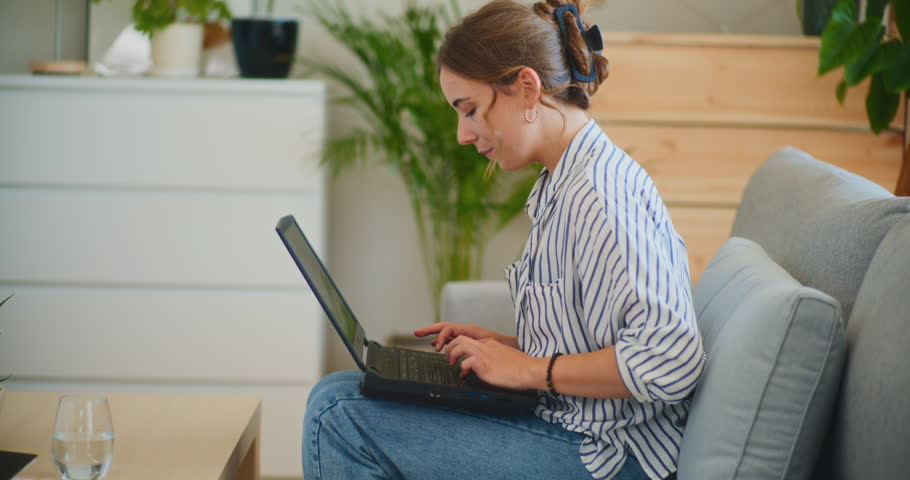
[
  {"x": 702, "y": 112},
  {"x": 723, "y": 79},
  {"x": 704, "y": 230},
  {"x": 702, "y": 165}
]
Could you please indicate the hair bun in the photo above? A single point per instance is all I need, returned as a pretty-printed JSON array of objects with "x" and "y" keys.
[
  {"x": 503, "y": 37},
  {"x": 578, "y": 48}
]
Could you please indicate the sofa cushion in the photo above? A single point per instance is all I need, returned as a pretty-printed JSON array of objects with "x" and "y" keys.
[
  {"x": 872, "y": 422},
  {"x": 821, "y": 223},
  {"x": 775, "y": 351}
]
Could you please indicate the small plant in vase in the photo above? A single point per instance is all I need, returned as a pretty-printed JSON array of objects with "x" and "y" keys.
[
  {"x": 264, "y": 45},
  {"x": 175, "y": 28}
]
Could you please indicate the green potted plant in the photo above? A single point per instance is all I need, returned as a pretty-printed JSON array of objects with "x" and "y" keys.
[
  {"x": 866, "y": 51},
  {"x": 264, "y": 45},
  {"x": 411, "y": 128},
  {"x": 175, "y": 28},
  {"x": 814, "y": 14}
]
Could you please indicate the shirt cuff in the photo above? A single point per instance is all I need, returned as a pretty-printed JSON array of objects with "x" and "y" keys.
[{"x": 633, "y": 383}]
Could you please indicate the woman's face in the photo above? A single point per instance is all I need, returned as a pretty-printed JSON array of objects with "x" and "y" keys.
[{"x": 501, "y": 132}]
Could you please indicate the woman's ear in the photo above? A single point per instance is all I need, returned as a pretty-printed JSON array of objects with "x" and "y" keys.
[{"x": 529, "y": 86}]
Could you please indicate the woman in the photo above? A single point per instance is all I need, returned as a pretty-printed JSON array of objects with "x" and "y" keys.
[{"x": 605, "y": 324}]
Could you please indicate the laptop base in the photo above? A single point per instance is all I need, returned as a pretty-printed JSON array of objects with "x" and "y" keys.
[{"x": 376, "y": 386}]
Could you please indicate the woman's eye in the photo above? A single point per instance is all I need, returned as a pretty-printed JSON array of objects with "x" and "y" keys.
[{"x": 471, "y": 113}]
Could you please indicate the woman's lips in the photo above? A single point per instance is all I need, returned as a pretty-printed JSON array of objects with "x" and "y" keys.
[{"x": 487, "y": 152}]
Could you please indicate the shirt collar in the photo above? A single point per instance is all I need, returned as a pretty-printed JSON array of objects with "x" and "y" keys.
[{"x": 547, "y": 185}]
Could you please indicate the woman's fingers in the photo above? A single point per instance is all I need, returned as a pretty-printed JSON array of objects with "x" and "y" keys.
[
  {"x": 445, "y": 332},
  {"x": 444, "y": 337},
  {"x": 451, "y": 350},
  {"x": 429, "y": 329},
  {"x": 460, "y": 347},
  {"x": 467, "y": 366}
]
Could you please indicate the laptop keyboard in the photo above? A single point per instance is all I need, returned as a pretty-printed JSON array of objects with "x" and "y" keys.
[{"x": 427, "y": 367}]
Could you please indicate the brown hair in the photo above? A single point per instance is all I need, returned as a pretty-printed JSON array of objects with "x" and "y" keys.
[{"x": 494, "y": 43}]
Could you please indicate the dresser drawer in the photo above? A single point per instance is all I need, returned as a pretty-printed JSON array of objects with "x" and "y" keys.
[
  {"x": 157, "y": 133},
  {"x": 162, "y": 334},
  {"x": 149, "y": 238}
]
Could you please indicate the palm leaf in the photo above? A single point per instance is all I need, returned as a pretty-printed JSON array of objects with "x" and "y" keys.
[
  {"x": 412, "y": 129},
  {"x": 5, "y": 299}
]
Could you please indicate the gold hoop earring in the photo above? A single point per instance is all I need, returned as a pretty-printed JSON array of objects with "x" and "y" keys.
[{"x": 528, "y": 117}]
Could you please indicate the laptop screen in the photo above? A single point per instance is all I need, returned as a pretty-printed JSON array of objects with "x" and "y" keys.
[{"x": 322, "y": 285}]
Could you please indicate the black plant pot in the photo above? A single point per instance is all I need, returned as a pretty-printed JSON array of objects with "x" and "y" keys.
[
  {"x": 264, "y": 47},
  {"x": 816, "y": 14}
]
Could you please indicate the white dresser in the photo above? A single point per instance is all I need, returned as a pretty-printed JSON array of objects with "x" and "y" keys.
[{"x": 137, "y": 219}]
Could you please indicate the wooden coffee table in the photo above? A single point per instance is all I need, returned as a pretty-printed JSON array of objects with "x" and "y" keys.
[{"x": 156, "y": 437}]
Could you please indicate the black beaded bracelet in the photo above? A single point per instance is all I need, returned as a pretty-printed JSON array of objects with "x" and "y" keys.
[{"x": 550, "y": 373}]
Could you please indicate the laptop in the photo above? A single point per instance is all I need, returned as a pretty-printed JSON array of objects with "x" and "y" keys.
[{"x": 395, "y": 373}]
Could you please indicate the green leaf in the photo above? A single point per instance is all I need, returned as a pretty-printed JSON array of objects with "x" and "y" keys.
[
  {"x": 841, "y": 91},
  {"x": 5, "y": 299},
  {"x": 835, "y": 36},
  {"x": 902, "y": 16},
  {"x": 843, "y": 50},
  {"x": 881, "y": 105},
  {"x": 151, "y": 16},
  {"x": 410, "y": 128},
  {"x": 880, "y": 57},
  {"x": 799, "y": 10},
  {"x": 862, "y": 66},
  {"x": 897, "y": 76},
  {"x": 845, "y": 11},
  {"x": 343, "y": 153}
]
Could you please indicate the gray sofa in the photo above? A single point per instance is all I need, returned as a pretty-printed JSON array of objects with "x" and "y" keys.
[{"x": 828, "y": 397}]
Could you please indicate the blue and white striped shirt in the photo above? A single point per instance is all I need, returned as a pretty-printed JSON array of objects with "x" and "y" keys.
[{"x": 604, "y": 266}]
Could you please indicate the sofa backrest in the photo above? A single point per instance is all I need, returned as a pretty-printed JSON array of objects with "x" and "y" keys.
[
  {"x": 821, "y": 223},
  {"x": 848, "y": 237},
  {"x": 871, "y": 429}
]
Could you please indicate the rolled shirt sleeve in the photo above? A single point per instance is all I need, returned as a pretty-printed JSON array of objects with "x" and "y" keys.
[{"x": 638, "y": 272}]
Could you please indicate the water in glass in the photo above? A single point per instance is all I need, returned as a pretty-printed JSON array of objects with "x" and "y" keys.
[{"x": 83, "y": 440}]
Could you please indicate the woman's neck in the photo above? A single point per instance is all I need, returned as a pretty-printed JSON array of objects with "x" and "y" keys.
[{"x": 557, "y": 141}]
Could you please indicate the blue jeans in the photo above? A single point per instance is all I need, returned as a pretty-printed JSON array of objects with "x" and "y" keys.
[{"x": 349, "y": 436}]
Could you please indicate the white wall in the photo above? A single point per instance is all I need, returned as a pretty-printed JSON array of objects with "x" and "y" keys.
[
  {"x": 27, "y": 32},
  {"x": 372, "y": 237}
]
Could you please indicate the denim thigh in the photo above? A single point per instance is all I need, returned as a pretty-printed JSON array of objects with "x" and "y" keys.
[{"x": 349, "y": 436}]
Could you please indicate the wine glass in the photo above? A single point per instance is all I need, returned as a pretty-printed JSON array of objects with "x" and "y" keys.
[{"x": 83, "y": 440}]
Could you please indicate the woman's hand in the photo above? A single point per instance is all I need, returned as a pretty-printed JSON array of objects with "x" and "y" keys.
[
  {"x": 497, "y": 364},
  {"x": 448, "y": 331}
]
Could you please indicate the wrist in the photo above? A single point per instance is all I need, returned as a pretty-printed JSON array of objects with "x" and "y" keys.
[
  {"x": 507, "y": 340},
  {"x": 536, "y": 373}
]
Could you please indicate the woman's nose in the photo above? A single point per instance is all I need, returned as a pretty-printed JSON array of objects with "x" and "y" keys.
[{"x": 465, "y": 135}]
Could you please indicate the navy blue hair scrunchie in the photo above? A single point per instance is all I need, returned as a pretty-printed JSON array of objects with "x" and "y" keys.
[{"x": 593, "y": 39}]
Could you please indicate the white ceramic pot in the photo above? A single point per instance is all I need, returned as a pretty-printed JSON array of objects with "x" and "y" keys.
[{"x": 177, "y": 50}]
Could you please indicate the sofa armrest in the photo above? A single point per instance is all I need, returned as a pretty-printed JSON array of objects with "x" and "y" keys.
[{"x": 484, "y": 303}]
